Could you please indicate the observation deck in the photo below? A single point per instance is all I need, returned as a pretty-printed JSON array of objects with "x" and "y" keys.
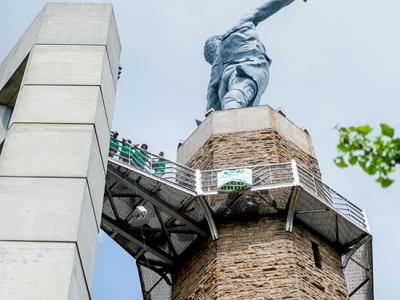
[{"x": 183, "y": 205}]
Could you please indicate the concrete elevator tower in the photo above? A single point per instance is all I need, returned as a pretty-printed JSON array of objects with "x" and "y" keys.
[{"x": 57, "y": 90}]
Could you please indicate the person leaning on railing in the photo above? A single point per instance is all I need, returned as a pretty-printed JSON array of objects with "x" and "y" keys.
[
  {"x": 125, "y": 150},
  {"x": 139, "y": 157},
  {"x": 159, "y": 165},
  {"x": 114, "y": 145}
]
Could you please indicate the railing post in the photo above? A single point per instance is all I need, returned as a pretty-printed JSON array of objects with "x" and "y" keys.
[
  {"x": 199, "y": 189},
  {"x": 366, "y": 220},
  {"x": 294, "y": 197},
  {"x": 151, "y": 162},
  {"x": 296, "y": 177},
  {"x": 206, "y": 209}
]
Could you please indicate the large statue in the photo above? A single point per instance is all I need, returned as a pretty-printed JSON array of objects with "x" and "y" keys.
[{"x": 240, "y": 65}]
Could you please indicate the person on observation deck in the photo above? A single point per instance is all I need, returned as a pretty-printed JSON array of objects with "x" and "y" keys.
[
  {"x": 159, "y": 165},
  {"x": 124, "y": 153},
  {"x": 114, "y": 144},
  {"x": 139, "y": 155}
]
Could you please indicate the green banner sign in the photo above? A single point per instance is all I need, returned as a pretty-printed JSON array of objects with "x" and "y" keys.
[{"x": 234, "y": 180}]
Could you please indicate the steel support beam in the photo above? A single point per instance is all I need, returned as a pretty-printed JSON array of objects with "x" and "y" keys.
[
  {"x": 292, "y": 208},
  {"x": 157, "y": 202},
  {"x": 171, "y": 245},
  {"x": 294, "y": 197},
  {"x": 353, "y": 250},
  {"x": 299, "y": 212},
  {"x": 359, "y": 287},
  {"x": 209, "y": 218},
  {"x": 156, "y": 269},
  {"x": 110, "y": 198},
  {"x": 204, "y": 206},
  {"x": 160, "y": 230},
  {"x": 138, "y": 241}
]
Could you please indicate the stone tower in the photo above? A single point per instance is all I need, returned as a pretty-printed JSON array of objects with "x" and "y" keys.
[
  {"x": 274, "y": 230},
  {"x": 274, "y": 243}
]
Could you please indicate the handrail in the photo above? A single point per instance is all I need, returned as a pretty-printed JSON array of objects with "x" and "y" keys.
[
  {"x": 264, "y": 176},
  {"x": 270, "y": 175},
  {"x": 332, "y": 198},
  {"x": 154, "y": 164}
]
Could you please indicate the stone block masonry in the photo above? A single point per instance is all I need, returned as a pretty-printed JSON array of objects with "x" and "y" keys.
[
  {"x": 256, "y": 147},
  {"x": 260, "y": 260}
]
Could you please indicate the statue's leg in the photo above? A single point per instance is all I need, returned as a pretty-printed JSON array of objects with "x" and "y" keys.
[
  {"x": 225, "y": 80},
  {"x": 241, "y": 91}
]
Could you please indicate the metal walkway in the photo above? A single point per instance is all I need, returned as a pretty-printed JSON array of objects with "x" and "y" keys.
[{"x": 181, "y": 205}]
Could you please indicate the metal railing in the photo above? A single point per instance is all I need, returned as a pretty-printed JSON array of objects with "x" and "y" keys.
[
  {"x": 263, "y": 176},
  {"x": 283, "y": 174},
  {"x": 154, "y": 164},
  {"x": 316, "y": 187}
]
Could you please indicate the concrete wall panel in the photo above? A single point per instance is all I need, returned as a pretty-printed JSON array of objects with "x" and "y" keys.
[
  {"x": 64, "y": 105},
  {"x": 66, "y": 23},
  {"x": 54, "y": 151},
  {"x": 113, "y": 47},
  {"x": 50, "y": 210},
  {"x": 57, "y": 104},
  {"x": 75, "y": 23},
  {"x": 102, "y": 130},
  {"x": 73, "y": 65},
  {"x": 108, "y": 89},
  {"x": 96, "y": 180},
  {"x": 43, "y": 209},
  {"x": 43, "y": 271},
  {"x": 42, "y": 150},
  {"x": 87, "y": 239},
  {"x": 65, "y": 65},
  {"x": 78, "y": 289}
]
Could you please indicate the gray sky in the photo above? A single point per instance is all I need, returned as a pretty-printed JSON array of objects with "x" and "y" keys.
[{"x": 334, "y": 61}]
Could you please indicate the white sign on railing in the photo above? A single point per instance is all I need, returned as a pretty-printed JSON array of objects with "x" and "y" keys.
[{"x": 234, "y": 180}]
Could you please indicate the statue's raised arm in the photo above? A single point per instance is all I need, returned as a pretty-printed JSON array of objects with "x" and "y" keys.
[
  {"x": 240, "y": 64},
  {"x": 264, "y": 11}
]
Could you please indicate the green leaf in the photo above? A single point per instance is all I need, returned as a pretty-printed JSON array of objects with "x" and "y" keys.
[
  {"x": 396, "y": 141},
  {"x": 371, "y": 169},
  {"x": 387, "y": 130},
  {"x": 379, "y": 155},
  {"x": 362, "y": 164},
  {"x": 343, "y": 147},
  {"x": 353, "y": 160},
  {"x": 339, "y": 161},
  {"x": 385, "y": 182},
  {"x": 365, "y": 129}
]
